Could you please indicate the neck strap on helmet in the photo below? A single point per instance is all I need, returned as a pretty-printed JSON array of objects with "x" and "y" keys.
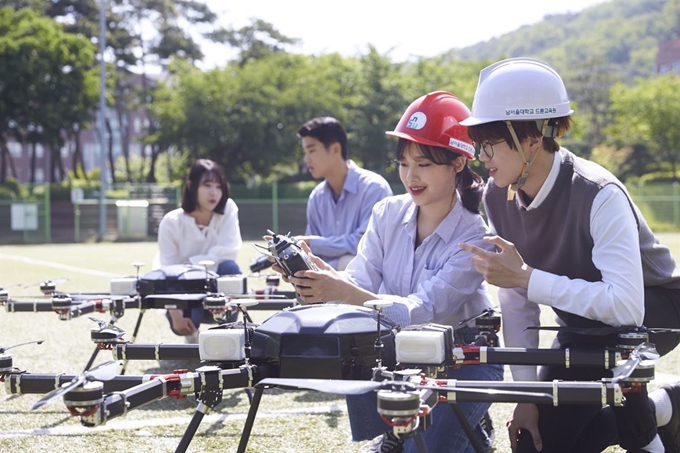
[{"x": 512, "y": 190}]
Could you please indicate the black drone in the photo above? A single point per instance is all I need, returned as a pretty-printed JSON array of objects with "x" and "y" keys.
[
  {"x": 342, "y": 349},
  {"x": 181, "y": 287}
]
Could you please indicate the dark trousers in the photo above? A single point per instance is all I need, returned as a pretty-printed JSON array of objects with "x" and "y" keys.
[
  {"x": 585, "y": 429},
  {"x": 202, "y": 316}
]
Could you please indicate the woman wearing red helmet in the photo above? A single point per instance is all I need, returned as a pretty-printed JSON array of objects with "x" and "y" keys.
[{"x": 410, "y": 255}]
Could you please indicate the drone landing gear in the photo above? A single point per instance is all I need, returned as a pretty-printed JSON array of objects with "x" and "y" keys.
[
  {"x": 250, "y": 420},
  {"x": 474, "y": 441},
  {"x": 208, "y": 398}
]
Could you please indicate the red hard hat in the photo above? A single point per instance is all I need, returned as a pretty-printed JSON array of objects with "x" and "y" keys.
[{"x": 434, "y": 120}]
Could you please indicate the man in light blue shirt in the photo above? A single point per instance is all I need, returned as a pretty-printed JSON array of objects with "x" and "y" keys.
[{"x": 339, "y": 208}]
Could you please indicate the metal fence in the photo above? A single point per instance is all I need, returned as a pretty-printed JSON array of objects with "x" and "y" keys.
[{"x": 133, "y": 212}]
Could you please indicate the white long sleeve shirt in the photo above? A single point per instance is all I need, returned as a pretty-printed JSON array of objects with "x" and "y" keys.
[
  {"x": 181, "y": 240},
  {"x": 433, "y": 282}
]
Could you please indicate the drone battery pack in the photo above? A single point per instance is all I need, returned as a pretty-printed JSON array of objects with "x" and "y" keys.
[
  {"x": 428, "y": 344},
  {"x": 232, "y": 284},
  {"x": 222, "y": 345},
  {"x": 125, "y": 286}
]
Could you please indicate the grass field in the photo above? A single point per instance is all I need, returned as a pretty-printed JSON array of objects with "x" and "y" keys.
[{"x": 287, "y": 421}]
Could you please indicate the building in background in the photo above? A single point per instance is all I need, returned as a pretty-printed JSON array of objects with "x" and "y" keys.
[
  {"x": 135, "y": 123},
  {"x": 668, "y": 57}
]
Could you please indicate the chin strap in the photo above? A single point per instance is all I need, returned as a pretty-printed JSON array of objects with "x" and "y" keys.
[{"x": 513, "y": 188}]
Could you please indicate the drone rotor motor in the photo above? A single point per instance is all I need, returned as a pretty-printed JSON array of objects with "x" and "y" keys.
[
  {"x": 6, "y": 365},
  {"x": 628, "y": 341},
  {"x": 48, "y": 287},
  {"x": 215, "y": 303},
  {"x": 85, "y": 402},
  {"x": 61, "y": 304},
  {"x": 489, "y": 325},
  {"x": 399, "y": 409}
]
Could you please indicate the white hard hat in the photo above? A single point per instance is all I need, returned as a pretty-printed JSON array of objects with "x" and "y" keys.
[{"x": 518, "y": 89}]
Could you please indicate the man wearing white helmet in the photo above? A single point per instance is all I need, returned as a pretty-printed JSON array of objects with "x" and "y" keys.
[{"x": 568, "y": 237}]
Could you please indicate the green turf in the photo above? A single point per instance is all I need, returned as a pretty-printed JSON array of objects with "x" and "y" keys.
[{"x": 159, "y": 425}]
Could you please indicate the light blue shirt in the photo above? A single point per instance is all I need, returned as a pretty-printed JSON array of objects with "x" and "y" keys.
[
  {"x": 337, "y": 225},
  {"x": 434, "y": 282}
]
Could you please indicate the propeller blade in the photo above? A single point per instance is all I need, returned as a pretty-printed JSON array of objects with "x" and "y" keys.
[
  {"x": 99, "y": 322},
  {"x": 56, "y": 393},
  {"x": 488, "y": 311},
  {"x": 547, "y": 396},
  {"x": 360, "y": 387},
  {"x": 605, "y": 330},
  {"x": 644, "y": 351},
  {"x": 54, "y": 281},
  {"x": 2, "y": 350},
  {"x": 647, "y": 351},
  {"x": 596, "y": 331},
  {"x": 326, "y": 385},
  {"x": 662, "y": 330},
  {"x": 104, "y": 372}
]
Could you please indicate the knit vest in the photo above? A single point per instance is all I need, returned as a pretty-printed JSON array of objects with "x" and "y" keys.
[{"x": 555, "y": 237}]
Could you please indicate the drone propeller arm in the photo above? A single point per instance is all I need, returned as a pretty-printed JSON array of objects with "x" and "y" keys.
[
  {"x": 556, "y": 393},
  {"x": 27, "y": 383},
  {"x": 83, "y": 308},
  {"x": 475, "y": 355},
  {"x": 160, "y": 351},
  {"x": 561, "y": 392},
  {"x": 155, "y": 388},
  {"x": 13, "y": 306},
  {"x": 120, "y": 403}
]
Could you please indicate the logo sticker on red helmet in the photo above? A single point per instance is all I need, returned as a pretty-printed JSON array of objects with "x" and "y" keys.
[{"x": 417, "y": 121}]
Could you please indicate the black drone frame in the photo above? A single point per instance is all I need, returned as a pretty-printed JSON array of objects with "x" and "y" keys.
[
  {"x": 68, "y": 306},
  {"x": 99, "y": 395}
]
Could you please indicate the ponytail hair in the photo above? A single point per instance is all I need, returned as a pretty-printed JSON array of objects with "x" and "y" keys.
[
  {"x": 468, "y": 183},
  {"x": 471, "y": 187}
]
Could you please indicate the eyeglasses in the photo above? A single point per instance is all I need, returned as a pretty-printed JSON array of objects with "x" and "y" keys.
[{"x": 487, "y": 148}]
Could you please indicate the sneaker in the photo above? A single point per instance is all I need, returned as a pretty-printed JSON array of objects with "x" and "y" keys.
[
  {"x": 670, "y": 433},
  {"x": 384, "y": 443},
  {"x": 486, "y": 424},
  {"x": 192, "y": 338}
]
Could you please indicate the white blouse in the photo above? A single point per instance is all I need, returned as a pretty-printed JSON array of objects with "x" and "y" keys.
[{"x": 181, "y": 240}]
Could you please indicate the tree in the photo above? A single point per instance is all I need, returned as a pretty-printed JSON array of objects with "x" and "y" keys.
[
  {"x": 46, "y": 81},
  {"x": 589, "y": 86},
  {"x": 255, "y": 41},
  {"x": 380, "y": 104},
  {"x": 647, "y": 113}
]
